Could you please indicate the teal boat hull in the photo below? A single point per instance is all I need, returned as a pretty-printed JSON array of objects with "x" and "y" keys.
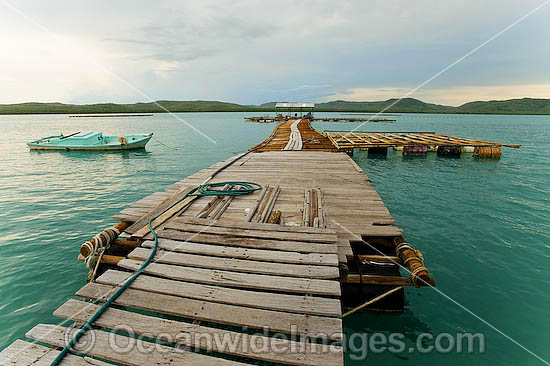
[{"x": 91, "y": 141}]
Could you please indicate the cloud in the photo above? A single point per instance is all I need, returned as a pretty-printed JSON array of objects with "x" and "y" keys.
[{"x": 253, "y": 52}]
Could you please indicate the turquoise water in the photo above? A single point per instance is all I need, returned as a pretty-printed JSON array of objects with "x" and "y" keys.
[{"x": 483, "y": 225}]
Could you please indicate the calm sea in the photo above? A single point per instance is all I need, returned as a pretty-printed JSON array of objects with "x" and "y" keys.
[{"x": 482, "y": 225}]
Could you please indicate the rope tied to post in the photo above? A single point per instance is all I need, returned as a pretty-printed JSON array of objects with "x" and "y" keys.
[
  {"x": 418, "y": 257},
  {"x": 235, "y": 189}
]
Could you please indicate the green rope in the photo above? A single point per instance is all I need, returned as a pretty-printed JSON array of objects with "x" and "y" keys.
[{"x": 235, "y": 189}]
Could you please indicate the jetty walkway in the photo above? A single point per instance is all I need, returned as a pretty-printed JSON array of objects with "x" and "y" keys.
[{"x": 262, "y": 277}]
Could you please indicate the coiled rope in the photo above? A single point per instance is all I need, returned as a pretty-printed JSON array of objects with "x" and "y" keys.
[{"x": 235, "y": 189}]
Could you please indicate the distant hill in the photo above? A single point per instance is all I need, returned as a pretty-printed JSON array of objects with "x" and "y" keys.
[
  {"x": 270, "y": 105},
  {"x": 513, "y": 106},
  {"x": 172, "y": 106},
  {"x": 409, "y": 105},
  {"x": 406, "y": 105}
]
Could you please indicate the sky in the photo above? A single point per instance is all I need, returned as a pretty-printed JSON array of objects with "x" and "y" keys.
[{"x": 252, "y": 52}]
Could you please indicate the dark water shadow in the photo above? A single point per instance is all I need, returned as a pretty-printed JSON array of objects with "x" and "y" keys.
[
  {"x": 405, "y": 323},
  {"x": 372, "y": 156},
  {"x": 414, "y": 157},
  {"x": 93, "y": 155}
]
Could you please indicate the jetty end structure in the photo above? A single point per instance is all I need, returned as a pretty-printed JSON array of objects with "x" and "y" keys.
[
  {"x": 254, "y": 259},
  {"x": 294, "y": 109},
  {"x": 285, "y": 111}
]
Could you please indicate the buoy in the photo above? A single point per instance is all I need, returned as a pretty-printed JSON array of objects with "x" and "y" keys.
[
  {"x": 123, "y": 140},
  {"x": 415, "y": 150},
  {"x": 449, "y": 150},
  {"x": 493, "y": 152}
]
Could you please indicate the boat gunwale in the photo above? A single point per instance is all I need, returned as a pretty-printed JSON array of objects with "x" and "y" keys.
[{"x": 135, "y": 144}]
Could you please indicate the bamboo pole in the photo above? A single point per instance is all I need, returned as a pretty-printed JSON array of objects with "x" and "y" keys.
[{"x": 370, "y": 302}]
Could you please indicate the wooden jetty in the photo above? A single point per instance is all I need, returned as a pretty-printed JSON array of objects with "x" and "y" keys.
[
  {"x": 281, "y": 136},
  {"x": 285, "y": 261},
  {"x": 281, "y": 118}
]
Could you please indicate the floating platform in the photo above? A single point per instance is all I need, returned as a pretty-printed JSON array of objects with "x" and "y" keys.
[
  {"x": 110, "y": 115},
  {"x": 271, "y": 119},
  {"x": 348, "y": 119},
  {"x": 291, "y": 258},
  {"x": 365, "y": 139}
]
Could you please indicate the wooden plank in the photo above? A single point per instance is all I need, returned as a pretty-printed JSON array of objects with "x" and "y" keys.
[
  {"x": 380, "y": 280},
  {"x": 135, "y": 211},
  {"x": 266, "y": 213},
  {"x": 23, "y": 353},
  {"x": 240, "y": 280},
  {"x": 380, "y": 258},
  {"x": 257, "y": 204},
  {"x": 103, "y": 347},
  {"x": 237, "y": 265},
  {"x": 254, "y": 226},
  {"x": 320, "y": 208},
  {"x": 160, "y": 209},
  {"x": 277, "y": 321},
  {"x": 262, "y": 300},
  {"x": 177, "y": 208},
  {"x": 245, "y": 253},
  {"x": 182, "y": 224},
  {"x": 245, "y": 242},
  {"x": 125, "y": 218},
  {"x": 283, "y": 351}
]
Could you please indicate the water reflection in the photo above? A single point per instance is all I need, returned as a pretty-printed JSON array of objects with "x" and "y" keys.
[{"x": 124, "y": 154}]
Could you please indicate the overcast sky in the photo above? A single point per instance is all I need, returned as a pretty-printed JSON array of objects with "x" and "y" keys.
[{"x": 251, "y": 52}]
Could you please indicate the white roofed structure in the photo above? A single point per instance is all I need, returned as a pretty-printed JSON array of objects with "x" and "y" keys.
[
  {"x": 284, "y": 107},
  {"x": 294, "y": 105}
]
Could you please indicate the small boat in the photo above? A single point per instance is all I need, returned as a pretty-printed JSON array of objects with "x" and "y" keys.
[{"x": 90, "y": 141}]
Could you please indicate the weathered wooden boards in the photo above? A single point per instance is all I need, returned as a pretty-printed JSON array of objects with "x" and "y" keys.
[
  {"x": 313, "y": 212},
  {"x": 349, "y": 203},
  {"x": 263, "y": 207},
  {"x": 22, "y": 353},
  {"x": 78, "y": 310},
  {"x": 225, "y": 258},
  {"x": 233, "y": 289},
  {"x": 102, "y": 347},
  {"x": 297, "y": 135}
]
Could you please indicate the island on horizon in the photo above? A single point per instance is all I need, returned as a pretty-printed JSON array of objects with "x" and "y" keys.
[{"x": 406, "y": 105}]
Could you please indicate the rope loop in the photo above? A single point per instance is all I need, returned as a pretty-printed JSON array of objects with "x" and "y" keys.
[
  {"x": 402, "y": 247},
  {"x": 414, "y": 275}
]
